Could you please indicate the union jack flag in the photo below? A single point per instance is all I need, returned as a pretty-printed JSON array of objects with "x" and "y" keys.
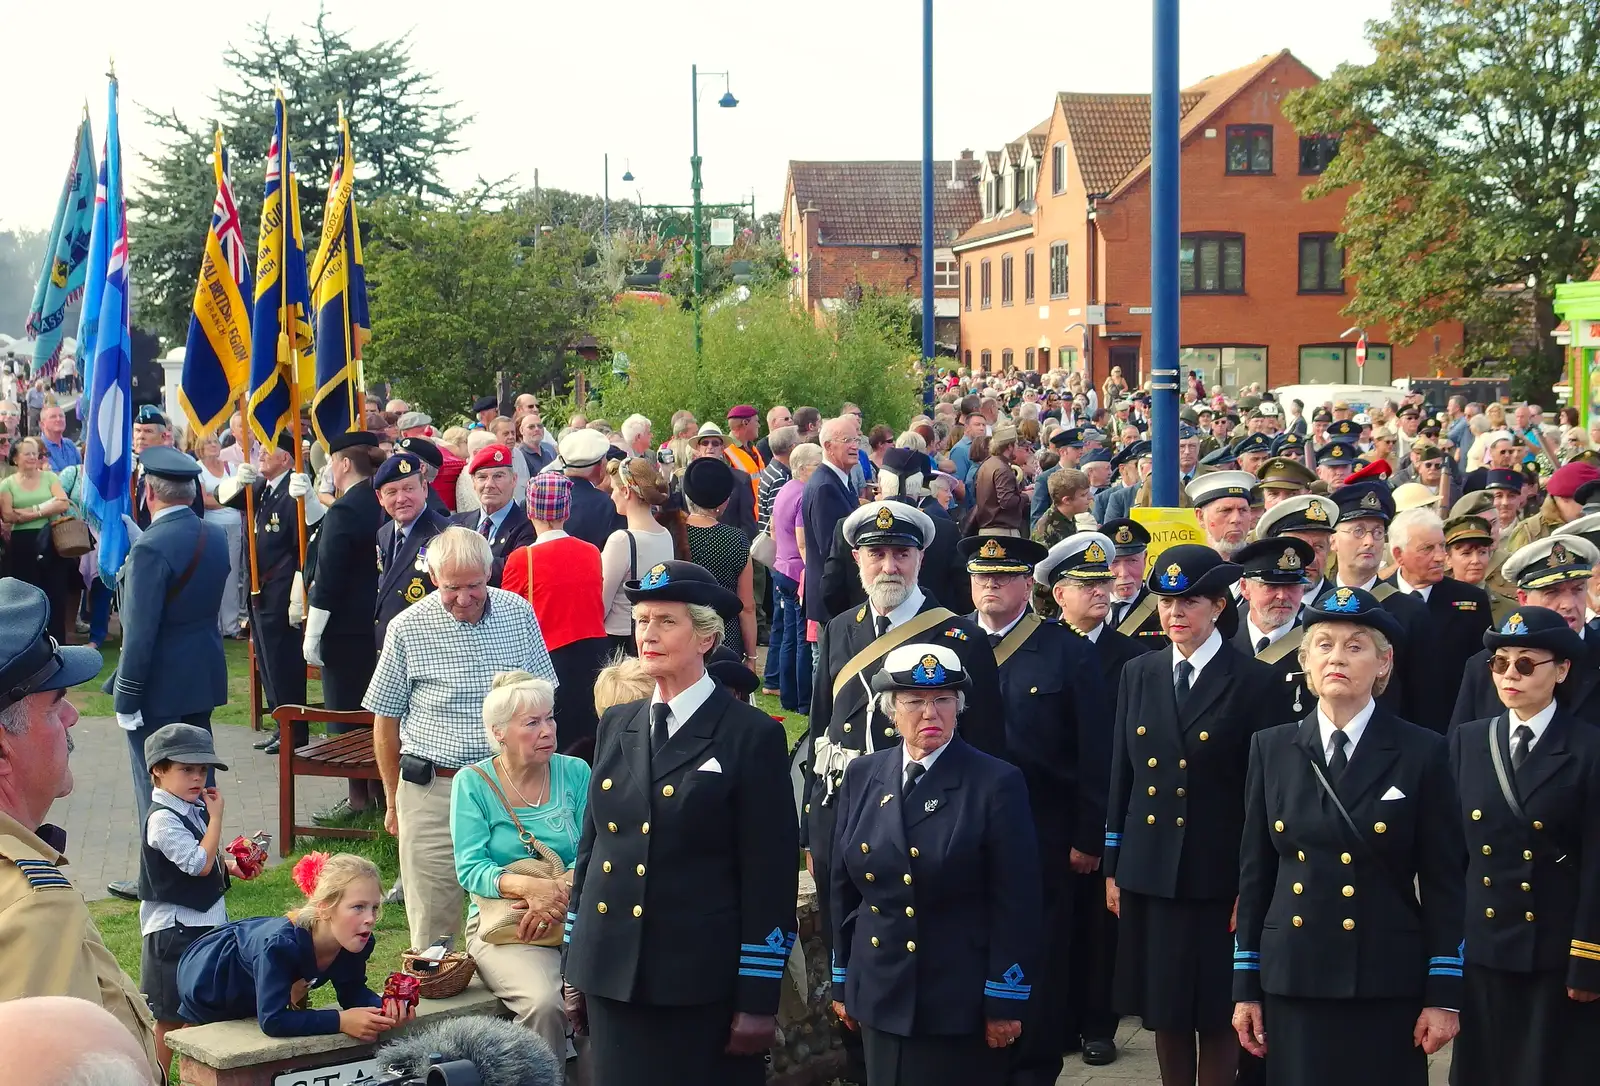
[{"x": 216, "y": 362}]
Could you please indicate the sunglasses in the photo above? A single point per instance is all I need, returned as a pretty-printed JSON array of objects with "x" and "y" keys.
[{"x": 1522, "y": 665}]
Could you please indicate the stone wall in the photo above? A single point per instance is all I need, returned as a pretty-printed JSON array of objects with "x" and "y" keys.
[{"x": 809, "y": 1049}]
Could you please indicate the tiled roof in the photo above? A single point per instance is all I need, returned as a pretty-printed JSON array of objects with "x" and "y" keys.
[
  {"x": 994, "y": 160},
  {"x": 1036, "y": 140},
  {"x": 1005, "y": 224},
  {"x": 880, "y": 203}
]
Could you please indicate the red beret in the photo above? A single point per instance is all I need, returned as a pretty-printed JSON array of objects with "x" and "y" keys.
[
  {"x": 1569, "y": 477},
  {"x": 743, "y": 411},
  {"x": 1378, "y": 469},
  {"x": 490, "y": 456}
]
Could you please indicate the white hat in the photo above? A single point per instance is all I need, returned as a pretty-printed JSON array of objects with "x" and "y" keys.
[
  {"x": 583, "y": 448},
  {"x": 888, "y": 524},
  {"x": 709, "y": 429},
  {"x": 1413, "y": 496},
  {"x": 1097, "y": 549},
  {"x": 1216, "y": 485}
]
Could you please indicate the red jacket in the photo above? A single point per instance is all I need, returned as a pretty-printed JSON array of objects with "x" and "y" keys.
[
  {"x": 444, "y": 484},
  {"x": 564, "y": 589}
]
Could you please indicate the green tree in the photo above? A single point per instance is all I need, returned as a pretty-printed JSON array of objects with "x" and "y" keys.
[
  {"x": 459, "y": 292},
  {"x": 401, "y": 127},
  {"x": 21, "y": 257},
  {"x": 1473, "y": 140},
  {"x": 762, "y": 350}
]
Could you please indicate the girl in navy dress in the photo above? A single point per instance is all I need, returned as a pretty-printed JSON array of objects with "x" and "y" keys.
[{"x": 262, "y": 968}]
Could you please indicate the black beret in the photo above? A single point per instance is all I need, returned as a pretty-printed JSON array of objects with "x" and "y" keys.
[
  {"x": 1536, "y": 628},
  {"x": 422, "y": 449},
  {"x": 682, "y": 582}
]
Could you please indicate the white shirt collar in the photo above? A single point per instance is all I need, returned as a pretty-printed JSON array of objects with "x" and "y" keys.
[
  {"x": 1202, "y": 656},
  {"x": 687, "y": 703},
  {"x": 1403, "y": 585},
  {"x": 1537, "y": 723},
  {"x": 1353, "y": 730},
  {"x": 1094, "y": 634},
  {"x": 926, "y": 762},
  {"x": 1365, "y": 586},
  {"x": 1256, "y": 633},
  {"x": 163, "y": 512},
  {"x": 904, "y": 613},
  {"x": 986, "y": 628},
  {"x": 553, "y": 533},
  {"x": 844, "y": 476}
]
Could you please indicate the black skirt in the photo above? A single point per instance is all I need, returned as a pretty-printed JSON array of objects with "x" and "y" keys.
[
  {"x": 964, "y": 1060},
  {"x": 1175, "y": 963},
  {"x": 158, "y": 968},
  {"x": 633, "y": 1044},
  {"x": 1522, "y": 1027},
  {"x": 1338, "y": 1042}
]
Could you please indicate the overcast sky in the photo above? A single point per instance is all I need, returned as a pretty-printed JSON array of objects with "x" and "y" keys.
[{"x": 553, "y": 86}]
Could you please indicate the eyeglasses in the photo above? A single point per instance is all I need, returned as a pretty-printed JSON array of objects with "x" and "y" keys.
[
  {"x": 1353, "y": 532},
  {"x": 942, "y": 703},
  {"x": 1522, "y": 664}
]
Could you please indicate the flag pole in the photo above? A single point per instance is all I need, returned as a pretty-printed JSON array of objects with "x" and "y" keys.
[
  {"x": 244, "y": 428},
  {"x": 286, "y": 351}
]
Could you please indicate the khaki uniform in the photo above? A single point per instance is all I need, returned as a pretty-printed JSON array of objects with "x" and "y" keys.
[
  {"x": 49, "y": 944},
  {"x": 1547, "y": 521}
]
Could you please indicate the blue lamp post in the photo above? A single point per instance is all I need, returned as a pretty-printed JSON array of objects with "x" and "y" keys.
[{"x": 727, "y": 101}]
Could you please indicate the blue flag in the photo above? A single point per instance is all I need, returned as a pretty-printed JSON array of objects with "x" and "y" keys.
[
  {"x": 66, "y": 257},
  {"x": 108, "y": 460},
  {"x": 216, "y": 359},
  {"x": 339, "y": 299},
  {"x": 94, "y": 283},
  {"x": 281, "y": 292}
]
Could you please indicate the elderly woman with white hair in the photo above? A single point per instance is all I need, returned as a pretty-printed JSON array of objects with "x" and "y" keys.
[{"x": 515, "y": 818}]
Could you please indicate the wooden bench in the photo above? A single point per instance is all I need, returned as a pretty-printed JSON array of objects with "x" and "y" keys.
[
  {"x": 347, "y": 755},
  {"x": 258, "y": 691}
]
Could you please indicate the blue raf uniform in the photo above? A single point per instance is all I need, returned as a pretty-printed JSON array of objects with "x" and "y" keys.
[
  {"x": 403, "y": 576},
  {"x": 936, "y": 897},
  {"x": 172, "y": 668}
]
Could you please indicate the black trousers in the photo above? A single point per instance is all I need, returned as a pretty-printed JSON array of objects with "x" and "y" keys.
[
  {"x": 576, "y": 664},
  {"x": 1036, "y": 1057},
  {"x": 1091, "y": 963},
  {"x": 280, "y": 655}
]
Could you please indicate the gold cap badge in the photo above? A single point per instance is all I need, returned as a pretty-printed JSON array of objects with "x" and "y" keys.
[
  {"x": 1289, "y": 560},
  {"x": 884, "y": 519},
  {"x": 1314, "y": 511},
  {"x": 1094, "y": 553},
  {"x": 1124, "y": 535},
  {"x": 991, "y": 549},
  {"x": 404, "y": 468}
]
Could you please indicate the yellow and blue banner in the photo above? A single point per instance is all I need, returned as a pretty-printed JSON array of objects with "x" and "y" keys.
[
  {"x": 339, "y": 299},
  {"x": 66, "y": 257},
  {"x": 280, "y": 324},
  {"x": 216, "y": 361}
]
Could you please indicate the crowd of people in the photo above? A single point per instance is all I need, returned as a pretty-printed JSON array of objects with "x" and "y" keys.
[{"x": 1312, "y": 796}]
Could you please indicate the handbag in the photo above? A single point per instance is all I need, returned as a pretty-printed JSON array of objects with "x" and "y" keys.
[
  {"x": 763, "y": 548},
  {"x": 70, "y": 537},
  {"x": 497, "y": 920}
]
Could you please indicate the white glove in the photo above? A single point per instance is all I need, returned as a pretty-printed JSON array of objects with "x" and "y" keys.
[
  {"x": 299, "y": 484},
  {"x": 134, "y": 531},
  {"x": 316, "y": 622},
  {"x": 130, "y": 721},
  {"x": 297, "y": 599},
  {"x": 246, "y": 475},
  {"x": 315, "y": 510}
]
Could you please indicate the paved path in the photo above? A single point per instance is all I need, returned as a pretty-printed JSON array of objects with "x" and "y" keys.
[{"x": 98, "y": 816}]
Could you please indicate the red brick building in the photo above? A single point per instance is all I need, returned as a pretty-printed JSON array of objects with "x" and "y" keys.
[
  {"x": 1056, "y": 271},
  {"x": 849, "y": 223}
]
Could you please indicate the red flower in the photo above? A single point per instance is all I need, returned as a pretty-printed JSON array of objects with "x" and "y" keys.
[{"x": 308, "y": 870}]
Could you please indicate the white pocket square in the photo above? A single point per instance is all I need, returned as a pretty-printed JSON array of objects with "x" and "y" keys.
[
  {"x": 711, "y": 766},
  {"x": 1392, "y": 793}
]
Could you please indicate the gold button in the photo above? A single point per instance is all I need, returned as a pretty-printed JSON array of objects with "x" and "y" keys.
[
  {"x": 1151, "y": 763},
  {"x": 888, "y": 731},
  {"x": 1379, "y": 827},
  {"x": 874, "y": 908},
  {"x": 1182, "y": 793},
  {"x": 606, "y": 867},
  {"x": 1486, "y": 881},
  {"x": 1349, "y": 924},
  {"x": 605, "y": 785},
  {"x": 910, "y": 911},
  {"x": 1348, "y": 891},
  {"x": 808, "y": 808},
  {"x": 639, "y": 871},
  {"x": 1344, "y": 857},
  {"x": 1151, "y": 819},
  {"x": 666, "y": 790},
  {"x": 1487, "y": 851},
  {"x": 1151, "y": 790},
  {"x": 612, "y": 826},
  {"x": 1299, "y": 888},
  {"x": 847, "y": 727},
  {"x": 906, "y": 879},
  {"x": 911, "y": 947},
  {"x": 638, "y": 910},
  {"x": 864, "y": 848},
  {"x": 1477, "y": 815},
  {"x": 1528, "y": 917},
  {"x": 1033, "y": 689},
  {"x": 871, "y": 877},
  {"x": 1538, "y": 825},
  {"x": 914, "y": 852},
  {"x": 1180, "y": 822},
  {"x": 1297, "y": 921},
  {"x": 1527, "y": 855},
  {"x": 1301, "y": 856},
  {"x": 600, "y": 908},
  {"x": 1489, "y": 913},
  {"x": 874, "y": 940},
  {"x": 1183, "y": 763},
  {"x": 1204, "y": 736},
  {"x": 1139, "y": 730},
  {"x": 645, "y": 828},
  {"x": 1526, "y": 887},
  {"x": 1278, "y": 825}
]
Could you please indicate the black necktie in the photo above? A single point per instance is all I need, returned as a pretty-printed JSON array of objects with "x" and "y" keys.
[
  {"x": 1185, "y": 677},
  {"x": 1261, "y": 646},
  {"x": 1520, "y": 740},
  {"x": 995, "y": 639},
  {"x": 658, "y": 726},
  {"x": 914, "y": 773},
  {"x": 880, "y": 624},
  {"x": 399, "y": 544},
  {"x": 1340, "y": 759},
  {"x": 1117, "y": 610},
  {"x": 486, "y": 528}
]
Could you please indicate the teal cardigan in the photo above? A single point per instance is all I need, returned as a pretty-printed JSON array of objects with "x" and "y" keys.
[{"x": 486, "y": 839}]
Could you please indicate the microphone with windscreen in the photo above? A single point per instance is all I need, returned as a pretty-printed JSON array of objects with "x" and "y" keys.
[{"x": 471, "y": 1051}]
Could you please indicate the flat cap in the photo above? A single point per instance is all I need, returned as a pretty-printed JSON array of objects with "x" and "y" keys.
[{"x": 411, "y": 420}]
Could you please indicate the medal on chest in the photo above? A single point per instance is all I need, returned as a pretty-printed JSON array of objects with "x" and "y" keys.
[{"x": 421, "y": 563}]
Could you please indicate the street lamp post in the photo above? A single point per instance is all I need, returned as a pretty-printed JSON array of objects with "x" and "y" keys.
[{"x": 727, "y": 101}]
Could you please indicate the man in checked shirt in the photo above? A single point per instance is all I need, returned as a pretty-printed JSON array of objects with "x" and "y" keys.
[{"x": 426, "y": 695}]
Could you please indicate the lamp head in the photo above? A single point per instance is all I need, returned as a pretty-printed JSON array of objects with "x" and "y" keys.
[
  {"x": 727, "y": 101},
  {"x": 627, "y": 175}
]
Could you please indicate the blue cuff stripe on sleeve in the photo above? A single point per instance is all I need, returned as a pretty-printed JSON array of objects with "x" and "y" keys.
[
  {"x": 770, "y": 974},
  {"x": 1441, "y": 971}
]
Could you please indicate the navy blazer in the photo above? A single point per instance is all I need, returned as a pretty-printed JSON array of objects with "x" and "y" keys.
[
  {"x": 516, "y": 530},
  {"x": 344, "y": 579},
  {"x": 937, "y": 903},
  {"x": 825, "y": 502},
  {"x": 594, "y": 517},
  {"x": 246, "y": 970},
  {"x": 172, "y": 662},
  {"x": 402, "y": 583}
]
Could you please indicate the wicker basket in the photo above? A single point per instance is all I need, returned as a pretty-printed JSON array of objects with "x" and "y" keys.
[{"x": 451, "y": 978}]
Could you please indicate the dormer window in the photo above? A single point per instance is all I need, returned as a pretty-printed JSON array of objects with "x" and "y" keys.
[{"x": 1030, "y": 181}]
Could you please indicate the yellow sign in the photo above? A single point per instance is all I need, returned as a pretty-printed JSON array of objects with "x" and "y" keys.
[{"x": 1167, "y": 528}]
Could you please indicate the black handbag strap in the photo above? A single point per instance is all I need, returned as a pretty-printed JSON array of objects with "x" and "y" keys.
[
  {"x": 633, "y": 555},
  {"x": 174, "y": 589},
  {"x": 1407, "y": 891},
  {"x": 1499, "y": 761}
]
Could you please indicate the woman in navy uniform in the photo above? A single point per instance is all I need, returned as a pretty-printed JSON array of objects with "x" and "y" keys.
[
  {"x": 935, "y": 886},
  {"x": 1341, "y": 973},
  {"x": 1185, "y": 716},
  {"x": 1530, "y": 806},
  {"x": 682, "y": 907}
]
